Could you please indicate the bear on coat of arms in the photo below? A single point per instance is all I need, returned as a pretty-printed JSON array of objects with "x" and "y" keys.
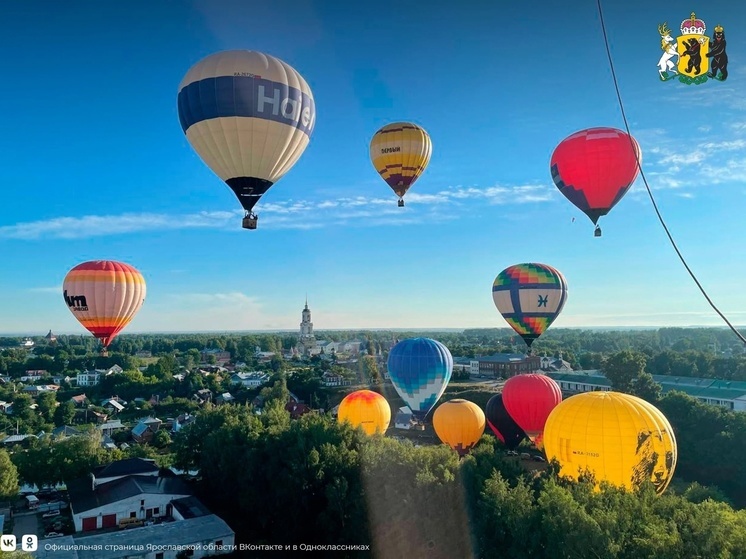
[{"x": 717, "y": 53}]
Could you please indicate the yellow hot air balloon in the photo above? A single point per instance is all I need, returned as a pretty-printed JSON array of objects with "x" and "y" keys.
[
  {"x": 622, "y": 439},
  {"x": 366, "y": 409},
  {"x": 400, "y": 153},
  {"x": 104, "y": 296},
  {"x": 459, "y": 424}
]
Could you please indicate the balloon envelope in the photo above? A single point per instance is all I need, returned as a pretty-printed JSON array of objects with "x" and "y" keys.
[
  {"x": 594, "y": 168},
  {"x": 366, "y": 409},
  {"x": 420, "y": 369},
  {"x": 529, "y": 297},
  {"x": 400, "y": 153},
  {"x": 504, "y": 426},
  {"x": 104, "y": 296},
  {"x": 529, "y": 400},
  {"x": 459, "y": 424},
  {"x": 622, "y": 439},
  {"x": 249, "y": 116}
]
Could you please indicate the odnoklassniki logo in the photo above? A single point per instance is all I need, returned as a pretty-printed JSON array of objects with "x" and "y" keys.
[{"x": 693, "y": 57}]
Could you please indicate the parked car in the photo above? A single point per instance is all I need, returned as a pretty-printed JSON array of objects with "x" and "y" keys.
[
  {"x": 50, "y": 514},
  {"x": 53, "y": 535},
  {"x": 512, "y": 453},
  {"x": 538, "y": 458}
]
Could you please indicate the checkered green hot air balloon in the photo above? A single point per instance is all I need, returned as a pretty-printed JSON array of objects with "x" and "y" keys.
[{"x": 530, "y": 297}]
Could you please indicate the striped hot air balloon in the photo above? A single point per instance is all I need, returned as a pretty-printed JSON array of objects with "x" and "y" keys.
[
  {"x": 400, "y": 153},
  {"x": 249, "y": 116},
  {"x": 104, "y": 296},
  {"x": 530, "y": 297}
]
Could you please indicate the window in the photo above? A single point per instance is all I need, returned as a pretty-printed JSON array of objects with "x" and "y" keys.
[
  {"x": 142, "y": 502},
  {"x": 218, "y": 543},
  {"x": 159, "y": 555},
  {"x": 133, "y": 515}
]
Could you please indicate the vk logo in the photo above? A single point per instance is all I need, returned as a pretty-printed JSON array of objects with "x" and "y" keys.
[{"x": 7, "y": 542}]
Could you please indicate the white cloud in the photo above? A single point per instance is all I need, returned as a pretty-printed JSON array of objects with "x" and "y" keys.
[
  {"x": 290, "y": 214},
  {"x": 56, "y": 289}
]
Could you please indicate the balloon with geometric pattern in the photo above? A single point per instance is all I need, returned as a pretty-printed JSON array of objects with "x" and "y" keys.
[
  {"x": 104, "y": 296},
  {"x": 529, "y": 297},
  {"x": 400, "y": 153},
  {"x": 420, "y": 369},
  {"x": 250, "y": 117}
]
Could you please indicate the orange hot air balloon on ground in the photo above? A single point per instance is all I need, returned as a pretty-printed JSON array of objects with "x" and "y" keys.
[
  {"x": 104, "y": 296},
  {"x": 459, "y": 424},
  {"x": 529, "y": 399},
  {"x": 366, "y": 409}
]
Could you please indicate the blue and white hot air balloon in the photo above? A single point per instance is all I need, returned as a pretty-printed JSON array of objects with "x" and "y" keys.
[
  {"x": 420, "y": 369},
  {"x": 249, "y": 116}
]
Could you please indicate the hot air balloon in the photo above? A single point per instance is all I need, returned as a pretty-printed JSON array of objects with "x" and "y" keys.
[
  {"x": 400, "y": 153},
  {"x": 622, "y": 439},
  {"x": 594, "y": 168},
  {"x": 420, "y": 369},
  {"x": 249, "y": 116},
  {"x": 529, "y": 400},
  {"x": 367, "y": 409},
  {"x": 530, "y": 297},
  {"x": 459, "y": 424},
  {"x": 104, "y": 296},
  {"x": 504, "y": 426}
]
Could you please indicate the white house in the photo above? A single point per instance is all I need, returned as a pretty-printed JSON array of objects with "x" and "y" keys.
[
  {"x": 89, "y": 378},
  {"x": 104, "y": 500},
  {"x": 404, "y": 418},
  {"x": 250, "y": 380}
]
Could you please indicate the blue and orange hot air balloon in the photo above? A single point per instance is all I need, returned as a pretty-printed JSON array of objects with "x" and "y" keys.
[
  {"x": 104, "y": 296},
  {"x": 594, "y": 169},
  {"x": 530, "y": 297},
  {"x": 250, "y": 117},
  {"x": 420, "y": 369}
]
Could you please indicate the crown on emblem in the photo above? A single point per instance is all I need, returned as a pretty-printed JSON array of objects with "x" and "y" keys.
[
  {"x": 693, "y": 26},
  {"x": 718, "y": 29}
]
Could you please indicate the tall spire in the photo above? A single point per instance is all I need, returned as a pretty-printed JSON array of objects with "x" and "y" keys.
[{"x": 306, "y": 300}]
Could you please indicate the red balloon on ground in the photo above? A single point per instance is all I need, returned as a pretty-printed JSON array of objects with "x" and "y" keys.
[{"x": 529, "y": 400}]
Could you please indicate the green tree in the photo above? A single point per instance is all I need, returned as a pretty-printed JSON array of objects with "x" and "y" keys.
[
  {"x": 64, "y": 414},
  {"x": 8, "y": 477},
  {"x": 623, "y": 368},
  {"x": 162, "y": 438}
]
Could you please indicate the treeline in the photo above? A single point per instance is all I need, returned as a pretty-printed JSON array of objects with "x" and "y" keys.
[{"x": 314, "y": 481}]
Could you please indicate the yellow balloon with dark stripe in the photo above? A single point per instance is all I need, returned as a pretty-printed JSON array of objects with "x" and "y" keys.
[
  {"x": 366, "y": 409},
  {"x": 400, "y": 153}
]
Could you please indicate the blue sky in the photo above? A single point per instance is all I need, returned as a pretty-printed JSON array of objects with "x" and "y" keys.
[{"x": 94, "y": 164}]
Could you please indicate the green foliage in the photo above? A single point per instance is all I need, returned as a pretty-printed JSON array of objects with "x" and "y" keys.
[{"x": 8, "y": 477}]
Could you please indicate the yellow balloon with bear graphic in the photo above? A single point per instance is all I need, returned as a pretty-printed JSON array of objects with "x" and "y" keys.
[{"x": 620, "y": 438}]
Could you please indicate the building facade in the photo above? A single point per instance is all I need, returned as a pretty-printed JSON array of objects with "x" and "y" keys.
[{"x": 505, "y": 365}]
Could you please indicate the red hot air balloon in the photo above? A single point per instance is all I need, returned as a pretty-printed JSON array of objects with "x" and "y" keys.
[
  {"x": 529, "y": 399},
  {"x": 595, "y": 168}
]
